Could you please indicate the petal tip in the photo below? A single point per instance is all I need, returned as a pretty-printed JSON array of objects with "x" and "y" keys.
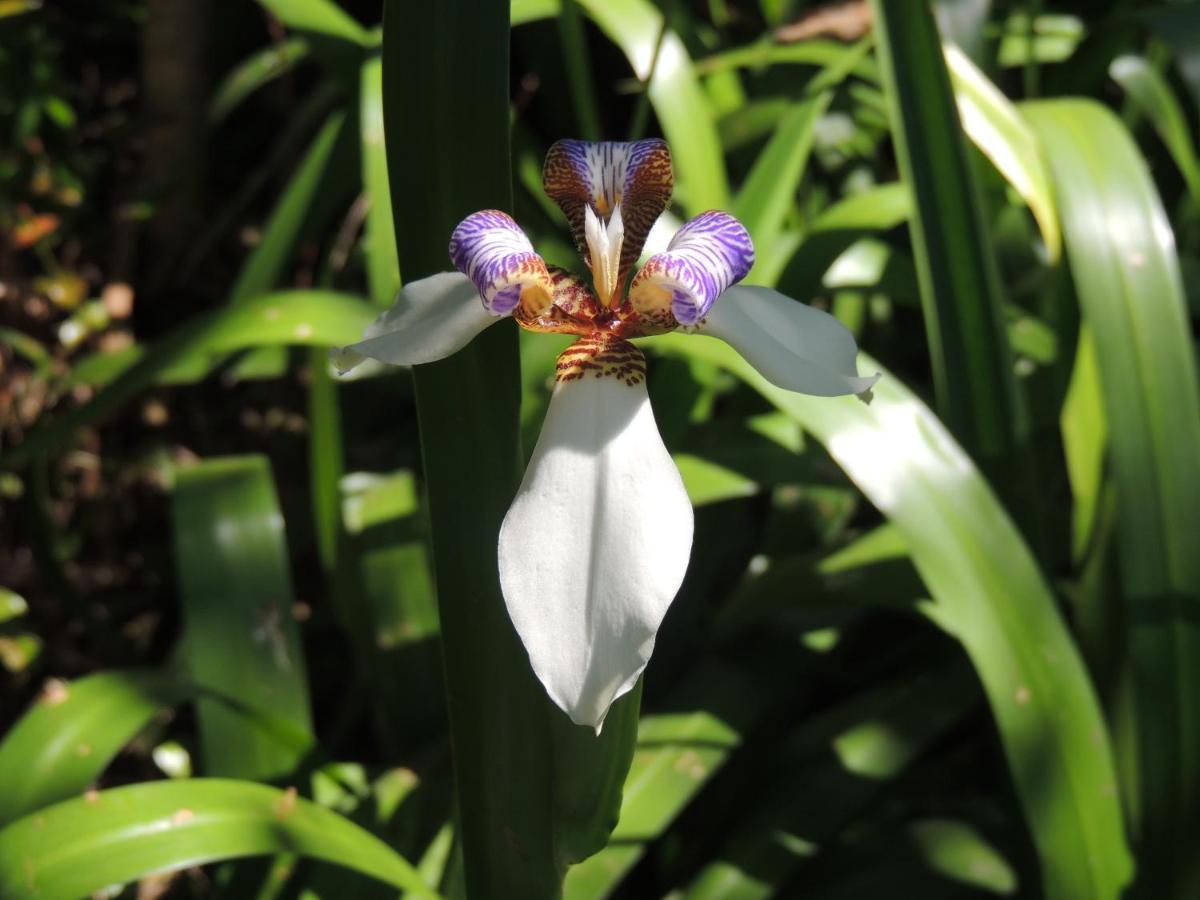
[{"x": 344, "y": 359}]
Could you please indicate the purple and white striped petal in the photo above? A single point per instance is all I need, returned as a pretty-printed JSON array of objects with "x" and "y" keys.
[
  {"x": 635, "y": 175},
  {"x": 492, "y": 250},
  {"x": 706, "y": 256}
]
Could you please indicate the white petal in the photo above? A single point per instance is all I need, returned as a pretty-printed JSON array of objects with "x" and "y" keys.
[
  {"x": 431, "y": 319},
  {"x": 793, "y": 345},
  {"x": 595, "y": 545}
]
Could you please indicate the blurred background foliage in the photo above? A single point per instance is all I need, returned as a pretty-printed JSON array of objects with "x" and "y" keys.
[{"x": 945, "y": 645}]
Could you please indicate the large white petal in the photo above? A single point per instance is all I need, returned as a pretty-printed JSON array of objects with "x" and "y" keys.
[
  {"x": 431, "y": 319},
  {"x": 595, "y": 545},
  {"x": 793, "y": 345}
]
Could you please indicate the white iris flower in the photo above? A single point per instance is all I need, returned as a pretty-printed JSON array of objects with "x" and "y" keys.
[{"x": 597, "y": 541}]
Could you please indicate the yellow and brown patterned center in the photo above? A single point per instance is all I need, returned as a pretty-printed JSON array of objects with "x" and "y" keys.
[{"x": 601, "y": 356}]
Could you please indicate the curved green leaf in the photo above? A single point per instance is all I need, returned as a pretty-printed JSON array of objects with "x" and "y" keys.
[
  {"x": 989, "y": 593},
  {"x": 993, "y": 124},
  {"x": 81, "y": 846},
  {"x": 310, "y": 318},
  {"x": 1122, "y": 255},
  {"x": 73, "y": 731}
]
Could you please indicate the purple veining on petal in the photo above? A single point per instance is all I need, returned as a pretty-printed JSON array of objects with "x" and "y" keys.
[
  {"x": 705, "y": 257},
  {"x": 492, "y": 250}
]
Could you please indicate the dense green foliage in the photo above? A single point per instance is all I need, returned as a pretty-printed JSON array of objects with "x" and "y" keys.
[{"x": 945, "y": 644}]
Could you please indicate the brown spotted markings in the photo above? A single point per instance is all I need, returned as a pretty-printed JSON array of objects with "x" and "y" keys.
[{"x": 601, "y": 356}]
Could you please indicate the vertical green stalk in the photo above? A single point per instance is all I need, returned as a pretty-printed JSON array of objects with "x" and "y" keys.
[{"x": 446, "y": 120}]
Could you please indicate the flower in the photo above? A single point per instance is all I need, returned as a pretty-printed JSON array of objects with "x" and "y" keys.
[{"x": 597, "y": 541}]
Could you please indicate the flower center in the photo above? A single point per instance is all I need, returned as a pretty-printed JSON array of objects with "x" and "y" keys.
[{"x": 604, "y": 241}]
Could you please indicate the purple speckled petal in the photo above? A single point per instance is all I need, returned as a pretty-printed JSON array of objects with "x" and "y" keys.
[
  {"x": 637, "y": 175},
  {"x": 707, "y": 255},
  {"x": 492, "y": 250}
]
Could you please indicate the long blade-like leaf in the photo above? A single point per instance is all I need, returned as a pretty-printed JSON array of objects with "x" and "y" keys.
[
  {"x": 81, "y": 846},
  {"x": 72, "y": 733},
  {"x": 1126, "y": 274},
  {"x": 991, "y": 596}
]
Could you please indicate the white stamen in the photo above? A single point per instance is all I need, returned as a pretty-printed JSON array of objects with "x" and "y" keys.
[{"x": 604, "y": 245}]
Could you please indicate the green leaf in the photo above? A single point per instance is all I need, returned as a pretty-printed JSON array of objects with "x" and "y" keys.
[
  {"x": 252, "y": 73},
  {"x": 960, "y": 288},
  {"x": 240, "y": 636},
  {"x": 989, "y": 594},
  {"x": 1152, "y": 95},
  {"x": 73, "y": 731},
  {"x": 1126, "y": 273},
  {"x": 307, "y": 318},
  {"x": 81, "y": 846},
  {"x": 993, "y": 124}
]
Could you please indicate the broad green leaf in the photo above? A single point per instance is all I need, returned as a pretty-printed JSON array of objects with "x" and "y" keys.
[
  {"x": 252, "y": 73},
  {"x": 240, "y": 636},
  {"x": 990, "y": 595},
  {"x": 82, "y": 846},
  {"x": 993, "y": 124},
  {"x": 73, "y": 731},
  {"x": 1126, "y": 273},
  {"x": 1153, "y": 96},
  {"x": 306, "y": 318},
  {"x": 960, "y": 287}
]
